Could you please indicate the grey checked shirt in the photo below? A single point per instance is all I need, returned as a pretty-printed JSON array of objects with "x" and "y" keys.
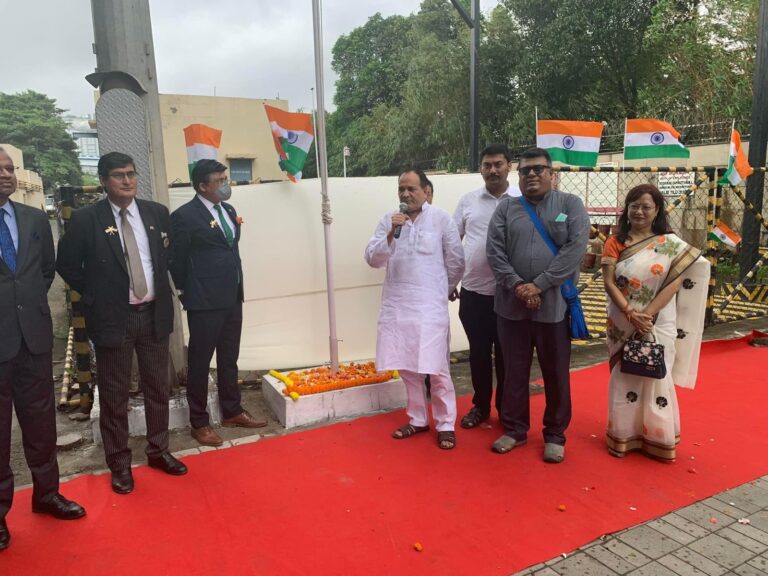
[{"x": 517, "y": 253}]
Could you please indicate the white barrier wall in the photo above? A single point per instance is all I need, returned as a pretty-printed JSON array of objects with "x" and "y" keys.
[{"x": 286, "y": 314}]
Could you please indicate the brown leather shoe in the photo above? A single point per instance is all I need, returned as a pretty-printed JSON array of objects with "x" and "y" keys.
[
  {"x": 207, "y": 436},
  {"x": 243, "y": 420}
]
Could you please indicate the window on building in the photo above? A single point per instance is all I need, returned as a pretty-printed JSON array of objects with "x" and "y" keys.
[{"x": 241, "y": 169}]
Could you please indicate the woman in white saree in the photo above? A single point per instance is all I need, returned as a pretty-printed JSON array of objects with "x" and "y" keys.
[{"x": 657, "y": 287}]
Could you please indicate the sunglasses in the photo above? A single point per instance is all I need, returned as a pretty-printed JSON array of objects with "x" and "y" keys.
[{"x": 538, "y": 169}]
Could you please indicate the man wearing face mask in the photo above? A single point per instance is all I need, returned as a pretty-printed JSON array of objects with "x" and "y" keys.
[{"x": 209, "y": 276}]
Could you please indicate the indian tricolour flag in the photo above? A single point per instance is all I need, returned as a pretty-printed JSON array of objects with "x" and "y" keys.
[
  {"x": 722, "y": 233},
  {"x": 202, "y": 144},
  {"x": 570, "y": 141},
  {"x": 648, "y": 138},
  {"x": 293, "y": 135},
  {"x": 738, "y": 165}
]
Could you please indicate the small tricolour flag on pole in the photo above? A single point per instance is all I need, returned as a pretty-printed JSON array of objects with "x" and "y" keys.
[
  {"x": 570, "y": 141},
  {"x": 202, "y": 144},
  {"x": 648, "y": 138},
  {"x": 293, "y": 135},
  {"x": 738, "y": 165},
  {"x": 722, "y": 233}
]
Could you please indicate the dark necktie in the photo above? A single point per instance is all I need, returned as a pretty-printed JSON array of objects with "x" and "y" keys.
[
  {"x": 6, "y": 242},
  {"x": 224, "y": 226}
]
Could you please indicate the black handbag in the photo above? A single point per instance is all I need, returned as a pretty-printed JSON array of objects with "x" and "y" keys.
[{"x": 643, "y": 357}]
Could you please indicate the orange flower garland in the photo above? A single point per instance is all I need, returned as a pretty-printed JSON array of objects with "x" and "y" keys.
[{"x": 317, "y": 380}]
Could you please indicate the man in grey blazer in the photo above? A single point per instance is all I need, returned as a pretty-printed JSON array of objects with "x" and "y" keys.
[{"x": 27, "y": 268}]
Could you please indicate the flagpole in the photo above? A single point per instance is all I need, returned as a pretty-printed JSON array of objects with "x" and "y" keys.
[
  {"x": 314, "y": 127},
  {"x": 322, "y": 170},
  {"x": 624, "y": 142}
]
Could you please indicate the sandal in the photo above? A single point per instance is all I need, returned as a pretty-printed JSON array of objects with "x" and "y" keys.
[
  {"x": 474, "y": 417},
  {"x": 446, "y": 439},
  {"x": 407, "y": 431}
]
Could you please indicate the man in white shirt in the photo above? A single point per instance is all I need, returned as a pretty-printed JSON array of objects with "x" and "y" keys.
[
  {"x": 472, "y": 215},
  {"x": 422, "y": 253}
]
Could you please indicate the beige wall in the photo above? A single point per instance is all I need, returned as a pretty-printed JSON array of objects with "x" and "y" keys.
[
  {"x": 244, "y": 126},
  {"x": 30, "y": 186}
]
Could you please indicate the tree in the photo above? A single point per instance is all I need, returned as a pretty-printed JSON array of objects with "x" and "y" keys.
[{"x": 32, "y": 122}]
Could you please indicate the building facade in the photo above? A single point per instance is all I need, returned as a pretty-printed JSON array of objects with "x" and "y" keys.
[{"x": 247, "y": 148}]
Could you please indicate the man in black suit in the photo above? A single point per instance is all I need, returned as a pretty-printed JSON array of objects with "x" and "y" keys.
[
  {"x": 209, "y": 276},
  {"x": 27, "y": 268},
  {"x": 116, "y": 254}
]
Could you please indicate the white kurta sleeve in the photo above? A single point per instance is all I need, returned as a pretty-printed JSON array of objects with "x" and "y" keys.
[
  {"x": 379, "y": 251},
  {"x": 453, "y": 255}
]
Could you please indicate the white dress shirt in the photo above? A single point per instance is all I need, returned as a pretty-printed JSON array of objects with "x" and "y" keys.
[
  {"x": 210, "y": 205},
  {"x": 472, "y": 216},
  {"x": 134, "y": 218}
]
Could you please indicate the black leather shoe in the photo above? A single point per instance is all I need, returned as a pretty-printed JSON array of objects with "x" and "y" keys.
[
  {"x": 5, "y": 536},
  {"x": 122, "y": 482},
  {"x": 59, "y": 507},
  {"x": 167, "y": 464}
]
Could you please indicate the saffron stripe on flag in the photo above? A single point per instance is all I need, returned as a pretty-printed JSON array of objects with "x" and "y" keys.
[{"x": 571, "y": 127}]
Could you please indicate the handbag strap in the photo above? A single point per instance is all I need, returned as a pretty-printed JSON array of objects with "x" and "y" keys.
[{"x": 539, "y": 226}]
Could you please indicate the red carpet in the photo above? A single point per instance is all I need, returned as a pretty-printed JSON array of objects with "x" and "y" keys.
[{"x": 346, "y": 499}]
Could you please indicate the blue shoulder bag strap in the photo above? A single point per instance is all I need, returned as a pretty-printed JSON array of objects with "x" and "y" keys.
[{"x": 567, "y": 289}]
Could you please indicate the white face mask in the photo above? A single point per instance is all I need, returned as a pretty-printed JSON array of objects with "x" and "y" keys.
[{"x": 224, "y": 191}]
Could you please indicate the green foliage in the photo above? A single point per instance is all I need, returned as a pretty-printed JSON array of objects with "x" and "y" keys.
[
  {"x": 32, "y": 122},
  {"x": 402, "y": 97}
]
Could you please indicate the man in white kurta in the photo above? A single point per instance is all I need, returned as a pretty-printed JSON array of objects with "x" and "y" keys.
[{"x": 424, "y": 265}]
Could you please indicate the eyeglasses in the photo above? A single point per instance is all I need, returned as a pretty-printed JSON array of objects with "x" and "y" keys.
[
  {"x": 538, "y": 169},
  {"x": 10, "y": 168},
  {"x": 130, "y": 175},
  {"x": 642, "y": 208}
]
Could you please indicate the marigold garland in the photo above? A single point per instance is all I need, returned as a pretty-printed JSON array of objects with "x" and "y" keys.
[{"x": 317, "y": 380}]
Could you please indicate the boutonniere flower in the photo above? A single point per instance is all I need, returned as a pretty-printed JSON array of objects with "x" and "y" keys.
[
  {"x": 111, "y": 230},
  {"x": 213, "y": 223},
  {"x": 151, "y": 227},
  {"x": 240, "y": 220},
  {"x": 164, "y": 237},
  {"x": 163, "y": 234}
]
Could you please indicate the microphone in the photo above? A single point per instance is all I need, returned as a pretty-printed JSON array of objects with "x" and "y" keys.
[{"x": 399, "y": 227}]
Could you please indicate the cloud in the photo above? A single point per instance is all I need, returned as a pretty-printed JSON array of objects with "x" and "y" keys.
[{"x": 241, "y": 48}]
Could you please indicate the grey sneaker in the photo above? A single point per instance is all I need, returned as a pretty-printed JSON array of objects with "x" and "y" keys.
[
  {"x": 554, "y": 453},
  {"x": 505, "y": 443}
]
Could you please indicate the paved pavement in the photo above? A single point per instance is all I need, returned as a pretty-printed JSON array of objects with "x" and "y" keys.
[{"x": 683, "y": 543}]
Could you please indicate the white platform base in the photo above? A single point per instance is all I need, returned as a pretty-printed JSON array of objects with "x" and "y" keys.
[
  {"x": 333, "y": 405},
  {"x": 178, "y": 415}
]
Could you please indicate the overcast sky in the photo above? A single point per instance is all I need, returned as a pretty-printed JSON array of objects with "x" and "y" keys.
[{"x": 243, "y": 48}]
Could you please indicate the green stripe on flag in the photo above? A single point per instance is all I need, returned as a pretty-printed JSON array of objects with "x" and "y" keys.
[
  {"x": 190, "y": 167},
  {"x": 573, "y": 157},
  {"x": 661, "y": 151},
  {"x": 296, "y": 158}
]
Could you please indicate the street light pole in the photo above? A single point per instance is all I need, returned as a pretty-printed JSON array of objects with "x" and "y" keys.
[
  {"x": 473, "y": 21},
  {"x": 345, "y": 154}
]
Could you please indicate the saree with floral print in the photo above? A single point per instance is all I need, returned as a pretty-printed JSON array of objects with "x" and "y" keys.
[{"x": 643, "y": 412}]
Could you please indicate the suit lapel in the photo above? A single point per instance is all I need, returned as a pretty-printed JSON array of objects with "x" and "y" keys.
[
  {"x": 150, "y": 225},
  {"x": 109, "y": 228},
  {"x": 208, "y": 216},
  {"x": 24, "y": 226}
]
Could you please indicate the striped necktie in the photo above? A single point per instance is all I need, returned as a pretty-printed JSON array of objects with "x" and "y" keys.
[
  {"x": 224, "y": 225},
  {"x": 6, "y": 242}
]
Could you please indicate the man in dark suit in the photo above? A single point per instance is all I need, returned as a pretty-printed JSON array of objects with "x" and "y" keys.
[
  {"x": 116, "y": 253},
  {"x": 209, "y": 276},
  {"x": 27, "y": 268}
]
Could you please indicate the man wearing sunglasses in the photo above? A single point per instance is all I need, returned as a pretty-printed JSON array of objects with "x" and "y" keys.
[
  {"x": 27, "y": 269},
  {"x": 531, "y": 311},
  {"x": 116, "y": 254}
]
